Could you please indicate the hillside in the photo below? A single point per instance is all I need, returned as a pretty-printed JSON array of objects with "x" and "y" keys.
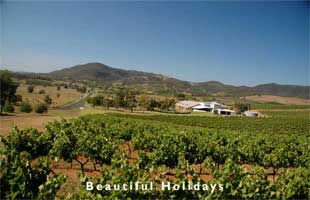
[
  {"x": 215, "y": 87},
  {"x": 102, "y": 73},
  {"x": 162, "y": 84}
]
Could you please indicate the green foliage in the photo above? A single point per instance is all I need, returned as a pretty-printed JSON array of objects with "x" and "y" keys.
[
  {"x": 21, "y": 177},
  {"x": 95, "y": 101},
  {"x": 81, "y": 89},
  {"x": 180, "y": 96},
  {"x": 7, "y": 87},
  {"x": 152, "y": 104},
  {"x": 48, "y": 99},
  {"x": 130, "y": 101},
  {"x": 81, "y": 137},
  {"x": 167, "y": 104},
  {"x": 241, "y": 107},
  {"x": 25, "y": 107},
  {"x": 119, "y": 98},
  {"x": 30, "y": 88},
  {"x": 107, "y": 102},
  {"x": 17, "y": 98},
  {"x": 8, "y": 107},
  {"x": 276, "y": 146},
  {"x": 41, "y": 82},
  {"x": 41, "y": 108}
]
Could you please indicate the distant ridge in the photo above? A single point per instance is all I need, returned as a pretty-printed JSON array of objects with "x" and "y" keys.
[{"x": 102, "y": 73}]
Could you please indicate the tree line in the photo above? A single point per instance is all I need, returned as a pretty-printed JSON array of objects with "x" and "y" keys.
[{"x": 126, "y": 99}]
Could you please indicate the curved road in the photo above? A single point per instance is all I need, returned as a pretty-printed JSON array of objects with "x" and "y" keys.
[{"x": 76, "y": 104}]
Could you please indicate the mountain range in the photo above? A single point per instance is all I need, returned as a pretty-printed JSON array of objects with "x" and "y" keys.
[{"x": 158, "y": 83}]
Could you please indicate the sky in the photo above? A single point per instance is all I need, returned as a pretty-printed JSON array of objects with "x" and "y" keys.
[{"x": 235, "y": 42}]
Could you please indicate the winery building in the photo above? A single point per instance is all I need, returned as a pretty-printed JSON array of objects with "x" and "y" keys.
[{"x": 196, "y": 106}]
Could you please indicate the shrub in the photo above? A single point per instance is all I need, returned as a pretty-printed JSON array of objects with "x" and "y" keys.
[
  {"x": 42, "y": 91},
  {"x": 30, "y": 88},
  {"x": 48, "y": 100},
  {"x": 81, "y": 89},
  {"x": 40, "y": 108},
  {"x": 8, "y": 107},
  {"x": 19, "y": 98},
  {"x": 241, "y": 107},
  {"x": 25, "y": 107}
]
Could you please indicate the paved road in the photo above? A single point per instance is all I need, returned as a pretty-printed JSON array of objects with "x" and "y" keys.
[{"x": 76, "y": 104}]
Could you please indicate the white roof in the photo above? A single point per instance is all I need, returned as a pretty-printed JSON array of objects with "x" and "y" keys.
[
  {"x": 197, "y": 104},
  {"x": 225, "y": 110},
  {"x": 202, "y": 105},
  {"x": 187, "y": 104}
]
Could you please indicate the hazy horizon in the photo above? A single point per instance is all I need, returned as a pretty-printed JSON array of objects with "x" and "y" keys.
[{"x": 238, "y": 43}]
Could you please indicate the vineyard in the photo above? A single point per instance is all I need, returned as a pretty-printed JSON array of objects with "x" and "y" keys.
[{"x": 248, "y": 158}]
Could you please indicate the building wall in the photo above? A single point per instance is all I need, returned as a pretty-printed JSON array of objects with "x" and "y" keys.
[{"x": 182, "y": 109}]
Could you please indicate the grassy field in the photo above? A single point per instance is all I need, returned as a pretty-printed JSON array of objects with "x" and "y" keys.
[{"x": 66, "y": 95}]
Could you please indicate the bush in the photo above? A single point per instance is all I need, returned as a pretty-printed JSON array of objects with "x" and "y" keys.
[
  {"x": 42, "y": 92},
  {"x": 48, "y": 100},
  {"x": 30, "y": 88},
  {"x": 81, "y": 89},
  {"x": 40, "y": 108},
  {"x": 241, "y": 107},
  {"x": 8, "y": 107},
  {"x": 25, "y": 107}
]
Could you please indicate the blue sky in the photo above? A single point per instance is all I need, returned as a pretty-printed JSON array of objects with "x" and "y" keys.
[{"x": 240, "y": 43}]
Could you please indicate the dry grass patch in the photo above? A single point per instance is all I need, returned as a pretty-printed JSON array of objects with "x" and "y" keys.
[
  {"x": 278, "y": 99},
  {"x": 66, "y": 95}
]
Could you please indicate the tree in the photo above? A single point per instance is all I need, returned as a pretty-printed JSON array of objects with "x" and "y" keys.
[
  {"x": 119, "y": 98},
  {"x": 241, "y": 107},
  {"x": 81, "y": 89},
  {"x": 17, "y": 98},
  {"x": 180, "y": 96},
  {"x": 30, "y": 88},
  {"x": 40, "y": 108},
  {"x": 8, "y": 107},
  {"x": 8, "y": 88},
  {"x": 97, "y": 101},
  {"x": 48, "y": 100},
  {"x": 131, "y": 101},
  {"x": 143, "y": 101},
  {"x": 152, "y": 104},
  {"x": 25, "y": 107},
  {"x": 107, "y": 102},
  {"x": 167, "y": 104}
]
